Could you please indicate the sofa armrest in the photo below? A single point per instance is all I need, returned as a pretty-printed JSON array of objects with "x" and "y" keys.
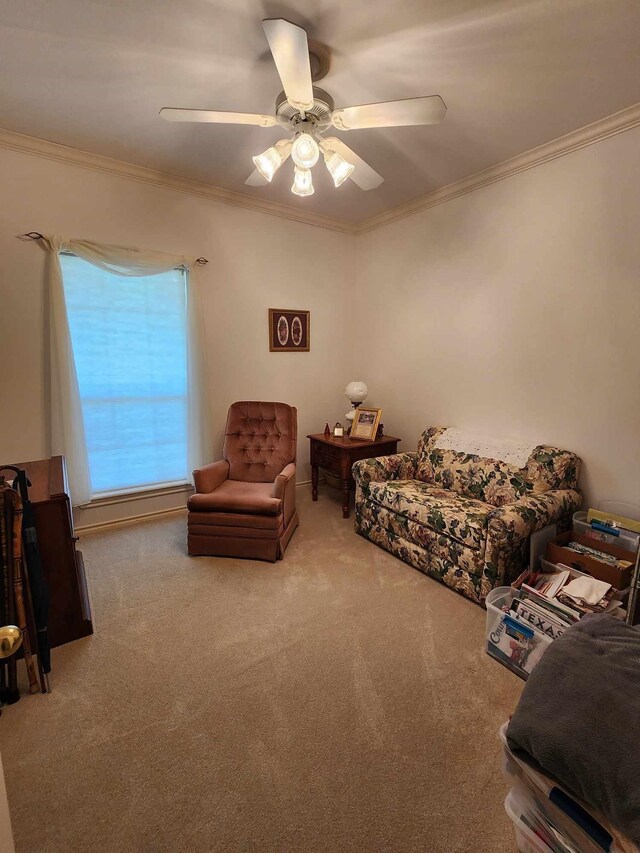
[
  {"x": 531, "y": 513},
  {"x": 509, "y": 528},
  {"x": 208, "y": 478},
  {"x": 399, "y": 466},
  {"x": 284, "y": 487}
]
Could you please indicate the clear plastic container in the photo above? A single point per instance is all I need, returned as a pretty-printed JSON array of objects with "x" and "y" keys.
[
  {"x": 498, "y": 598},
  {"x": 526, "y": 839},
  {"x": 527, "y": 842},
  {"x": 627, "y": 539},
  {"x": 518, "y": 656},
  {"x": 531, "y": 797}
]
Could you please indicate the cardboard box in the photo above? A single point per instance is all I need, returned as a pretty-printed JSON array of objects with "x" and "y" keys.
[{"x": 618, "y": 578}]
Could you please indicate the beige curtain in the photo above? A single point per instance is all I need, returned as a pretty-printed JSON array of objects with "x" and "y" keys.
[{"x": 67, "y": 425}]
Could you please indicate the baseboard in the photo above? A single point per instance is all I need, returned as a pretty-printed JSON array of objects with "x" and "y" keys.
[
  {"x": 130, "y": 519},
  {"x": 141, "y": 517}
]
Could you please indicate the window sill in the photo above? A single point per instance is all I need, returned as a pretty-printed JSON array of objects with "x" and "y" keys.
[{"x": 135, "y": 494}]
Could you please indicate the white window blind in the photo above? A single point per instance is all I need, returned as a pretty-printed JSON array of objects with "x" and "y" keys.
[{"x": 129, "y": 338}]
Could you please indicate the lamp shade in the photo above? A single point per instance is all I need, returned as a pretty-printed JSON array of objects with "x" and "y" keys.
[
  {"x": 270, "y": 160},
  {"x": 305, "y": 151},
  {"x": 356, "y": 392},
  {"x": 338, "y": 167},
  {"x": 302, "y": 182}
]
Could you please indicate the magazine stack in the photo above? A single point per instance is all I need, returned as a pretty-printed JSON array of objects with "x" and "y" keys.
[{"x": 583, "y": 573}]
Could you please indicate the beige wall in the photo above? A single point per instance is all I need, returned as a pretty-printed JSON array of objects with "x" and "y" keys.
[
  {"x": 257, "y": 262},
  {"x": 515, "y": 310}
]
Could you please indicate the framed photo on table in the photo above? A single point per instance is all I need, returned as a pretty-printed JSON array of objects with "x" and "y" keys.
[{"x": 365, "y": 424}]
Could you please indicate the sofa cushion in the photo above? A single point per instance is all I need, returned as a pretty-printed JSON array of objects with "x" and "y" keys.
[
  {"x": 441, "y": 510},
  {"x": 236, "y": 496},
  {"x": 490, "y": 480}
]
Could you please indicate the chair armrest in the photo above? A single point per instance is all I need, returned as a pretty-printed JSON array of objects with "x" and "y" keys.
[
  {"x": 284, "y": 487},
  {"x": 280, "y": 482},
  {"x": 399, "y": 466},
  {"x": 208, "y": 479}
]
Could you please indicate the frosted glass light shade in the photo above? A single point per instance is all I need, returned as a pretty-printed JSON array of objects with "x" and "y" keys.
[
  {"x": 338, "y": 167},
  {"x": 305, "y": 151},
  {"x": 356, "y": 392},
  {"x": 270, "y": 160},
  {"x": 302, "y": 182}
]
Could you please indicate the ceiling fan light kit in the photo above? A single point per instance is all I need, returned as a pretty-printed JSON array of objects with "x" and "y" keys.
[
  {"x": 308, "y": 112},
  {"x": 302, "y": 182},
  {"x": 270, "y": 160},
  {"x": 338, "y": 167},
  {"x": 305, "y": 151}
]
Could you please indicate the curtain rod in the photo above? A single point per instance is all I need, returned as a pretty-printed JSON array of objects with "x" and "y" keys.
[{"x": 36, "y": 235}]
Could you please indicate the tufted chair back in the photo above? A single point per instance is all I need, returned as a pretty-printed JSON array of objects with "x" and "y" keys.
[{"x": 260, "y": 439}]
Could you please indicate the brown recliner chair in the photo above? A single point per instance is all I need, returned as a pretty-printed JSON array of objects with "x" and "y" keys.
[{"x": 245, "y": 504}]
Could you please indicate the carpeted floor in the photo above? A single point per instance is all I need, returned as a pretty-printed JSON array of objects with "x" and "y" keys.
[{"x": 336, "y": 701}]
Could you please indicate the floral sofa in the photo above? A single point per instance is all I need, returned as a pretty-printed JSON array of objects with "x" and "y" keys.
[{"x": 463, "y": 519}]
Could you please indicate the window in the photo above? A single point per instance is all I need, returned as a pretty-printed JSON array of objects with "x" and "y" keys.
[{"x": 129, "y": 338}]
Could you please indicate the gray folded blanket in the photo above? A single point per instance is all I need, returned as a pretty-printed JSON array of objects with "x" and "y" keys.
[{"x": 579, "y": 717}]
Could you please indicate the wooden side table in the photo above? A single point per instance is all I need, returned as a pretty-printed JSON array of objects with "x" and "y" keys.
[{"x": 337, "y": 455}]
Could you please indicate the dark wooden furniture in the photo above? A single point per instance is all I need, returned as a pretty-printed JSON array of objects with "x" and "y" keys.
[
  {"x": 69, "y": 611},
  {"x": 337, "y": 455}
]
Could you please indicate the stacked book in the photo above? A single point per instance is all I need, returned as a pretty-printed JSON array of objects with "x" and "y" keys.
[
  {"x": 552, "y": 602},
  {"x": 541, "y": 608},
  {"x": 599, "y": 555}
]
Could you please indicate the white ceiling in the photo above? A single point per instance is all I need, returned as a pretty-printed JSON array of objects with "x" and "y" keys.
[{"x": 93, "y": 74}]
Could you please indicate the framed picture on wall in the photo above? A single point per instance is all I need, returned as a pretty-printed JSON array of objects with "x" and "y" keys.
[
  {"x": 289, "y": 331},
  {"x": 365, "y": 424}
]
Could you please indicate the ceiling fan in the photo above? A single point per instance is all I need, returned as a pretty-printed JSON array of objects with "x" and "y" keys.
[{"x": 308, "y": 112}]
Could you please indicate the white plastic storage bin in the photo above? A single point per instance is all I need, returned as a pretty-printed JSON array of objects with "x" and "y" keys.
[
  {"x": 498, "y": 598},
  {"x": 515, "y": 645},
  {"x": 531, "y": 790},
  {"x": 526, "y": 839},
  {"x": 527, "y": 842},
  {"x": 627, "y": 539}
]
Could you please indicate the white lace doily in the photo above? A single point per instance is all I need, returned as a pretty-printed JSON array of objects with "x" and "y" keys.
[{"x": 512, "y": 452}]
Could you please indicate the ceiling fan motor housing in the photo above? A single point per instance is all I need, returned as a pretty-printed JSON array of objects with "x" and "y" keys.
[{"x": 320, "y": 112}]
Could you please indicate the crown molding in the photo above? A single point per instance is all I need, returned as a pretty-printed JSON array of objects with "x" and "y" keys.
[
  {"x": 99, "y": 163},
  {"x": 597, "y": 131}
]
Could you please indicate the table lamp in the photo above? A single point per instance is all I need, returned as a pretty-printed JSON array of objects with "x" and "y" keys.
[{"x": 356, "y": 393}]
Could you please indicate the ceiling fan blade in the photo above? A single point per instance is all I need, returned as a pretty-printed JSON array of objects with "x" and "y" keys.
[
  {"x": 217, "y": 117},
  {"x": 363, "y": 174},
  {"x": 429, "y": 110},
  {"x": 288, "y": 44},
  {"x": 256, "y": 179}
]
